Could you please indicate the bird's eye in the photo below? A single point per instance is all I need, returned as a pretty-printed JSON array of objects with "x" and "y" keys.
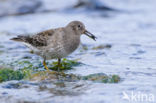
[{"x": 79, "y": 26}]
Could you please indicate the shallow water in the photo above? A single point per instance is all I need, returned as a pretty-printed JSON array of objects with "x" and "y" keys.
[{"x": 132, "y": 55}]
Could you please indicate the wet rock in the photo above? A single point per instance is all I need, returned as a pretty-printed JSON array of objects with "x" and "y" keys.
[
  {"x": 107, "y": 46},
  {"x": 18, "y": 7},
  {"x": 1, "y": 46},
  {"x": 92, "y": 4},
  {"x": 26, "y": 57},
  {"x": 16, "y": 85},
  {"x": 137, "y": 58},
  {"x": 1, "y": 51},
  {"x": 13, "y": 86},
  {"x": 4, "y": 93},
  {"x": 141, "y": 51},
  {"x": 84, "y": 47},
  {"x": 29, "y": 73},
  {"x": 63, "y": 88},
  {"x": 53, "y": 76},
  {"x": 136, "y": 45},
  {"x": 102, "y": 78},
  {"x": 99, "y": 53}
]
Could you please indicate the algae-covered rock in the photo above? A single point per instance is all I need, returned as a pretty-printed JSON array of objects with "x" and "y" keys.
[
  {"x": 107, "y": 46},
  {"x": 13, "y": 85},
  {"x": 30, "y": 72},
  {"x": 102, "y": 78},
  {"x": 27, "y": 64},
  {"x": 7, "y": 74},
  {"x": 98, "y": 77},
  {"x": 83, "y": 48},
  {"x": 53, "y": 75},
  {"x": 65, "y": 64}
]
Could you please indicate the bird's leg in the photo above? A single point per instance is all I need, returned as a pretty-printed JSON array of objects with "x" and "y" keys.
[
  {"x": 58, "y": 68},
  {"x": 59, "y": 65},
  {"x": 45, "y": 66}
]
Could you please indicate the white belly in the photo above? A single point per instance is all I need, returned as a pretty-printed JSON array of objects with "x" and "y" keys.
[{"x": 52, "y": 54}]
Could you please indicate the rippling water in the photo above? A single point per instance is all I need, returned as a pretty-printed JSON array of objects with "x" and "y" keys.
[{"x": 131, "y": 33}]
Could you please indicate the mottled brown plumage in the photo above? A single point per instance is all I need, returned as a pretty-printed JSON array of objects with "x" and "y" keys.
[
  {"x": 55, "y": 43},
  {"x": 38, "y": 40}
]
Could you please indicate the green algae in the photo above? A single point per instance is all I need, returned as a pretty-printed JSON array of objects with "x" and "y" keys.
[
  {"x": 102, "y": 78},
  {"x": 28, "y": 70},
  {"x": 7, "y": 74},
  {"x": 26, "y": 64},
  {"x": 65, "y": 64},
  {"x": 27, "y": 73},
  {"x": 36, "y": 72}
]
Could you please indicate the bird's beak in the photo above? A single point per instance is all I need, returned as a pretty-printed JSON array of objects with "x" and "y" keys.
[{"x": 90, "y": 35}]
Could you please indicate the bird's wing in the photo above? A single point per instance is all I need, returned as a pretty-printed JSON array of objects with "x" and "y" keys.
[{"x": 38, "y": 40}]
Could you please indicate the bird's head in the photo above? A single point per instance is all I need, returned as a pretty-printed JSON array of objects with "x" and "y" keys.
[{"x": 79, "y": 29}]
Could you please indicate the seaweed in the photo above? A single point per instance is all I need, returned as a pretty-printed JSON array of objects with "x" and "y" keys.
[
  {"x": 31, "y": 72},
  {"x": 65, "y": 64},
  {"x": 7, "y": 74},
  {"x": 102, "y": 78}
]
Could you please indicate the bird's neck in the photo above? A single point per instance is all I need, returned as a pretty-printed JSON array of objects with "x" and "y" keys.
[{"x": 73, "y": 42}]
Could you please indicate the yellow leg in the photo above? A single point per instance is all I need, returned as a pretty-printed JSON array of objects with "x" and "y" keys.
[{"x": 45, "y": 66}]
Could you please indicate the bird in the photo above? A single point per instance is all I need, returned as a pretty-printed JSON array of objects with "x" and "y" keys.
[{"x": 55, "y": 43}]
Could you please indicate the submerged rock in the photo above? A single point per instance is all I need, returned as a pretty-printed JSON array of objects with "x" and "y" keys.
[
  {"x": 62, "y": 88},
  {"x": 107, "y": 46},
  {"x": 1, "y": 51},
  {"x": 92, "y": 4},
  {"x": 17, "y": 7}
]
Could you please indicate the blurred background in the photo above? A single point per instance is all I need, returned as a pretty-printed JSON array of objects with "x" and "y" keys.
[{"x": 126, "y": 45}]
